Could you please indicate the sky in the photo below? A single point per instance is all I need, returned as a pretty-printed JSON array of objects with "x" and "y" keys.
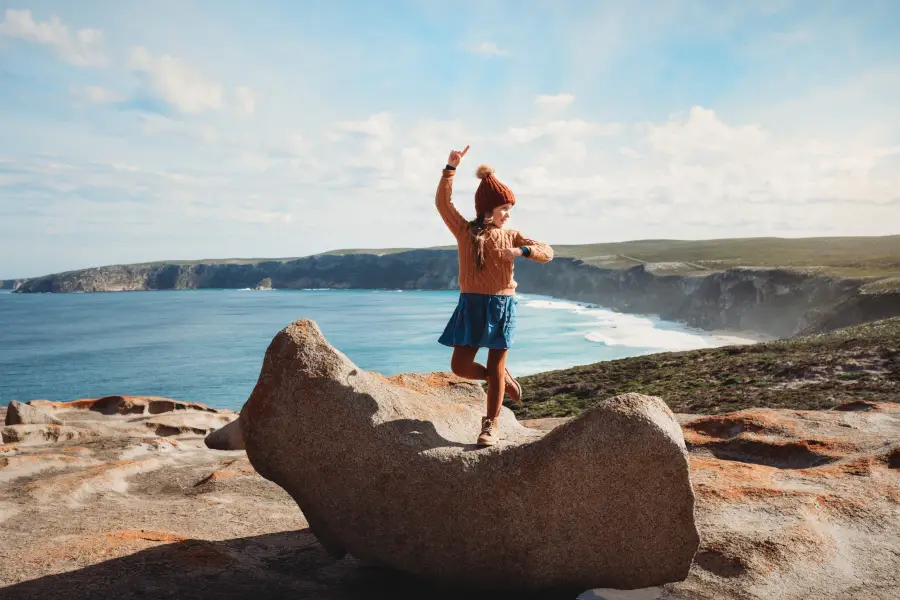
[{"x": 187, "y": 129}]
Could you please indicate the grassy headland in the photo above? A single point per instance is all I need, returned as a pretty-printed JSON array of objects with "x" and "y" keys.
[
  {"x": 814, "y": 372},
  {"x": 863, "y": 257}
]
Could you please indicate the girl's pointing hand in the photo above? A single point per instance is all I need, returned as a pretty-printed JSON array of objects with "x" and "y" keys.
[{"x": 456, "y": 156}]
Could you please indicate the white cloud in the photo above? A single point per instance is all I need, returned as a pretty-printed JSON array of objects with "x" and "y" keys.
[
  {"x": 153, "y": 124},
  {"x": 728, "y": 173},
  {"x": 574, "y": 128},
  {"x": 96, "y": 94},
  {"x": 246, "y": 100},
  {"x": 702, "y": 131},
  {"x": 699, "y": 175},
  {"x": 177, "y": 83},
  {"x": 377, "y": 125},
  {"x": 86, "y": 48},
  {"x": 485, "y": 48},
  {"x": 554, "y": 100}
]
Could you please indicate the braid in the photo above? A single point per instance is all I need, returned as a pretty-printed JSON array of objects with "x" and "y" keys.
[{"x": 478, "y": 231}]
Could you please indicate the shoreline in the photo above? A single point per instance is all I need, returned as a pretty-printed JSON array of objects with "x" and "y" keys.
[{"x": 650, "y": 334}]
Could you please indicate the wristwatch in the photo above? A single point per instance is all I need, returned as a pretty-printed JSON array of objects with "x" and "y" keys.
[
  {"x": 526, "y": 251},
  {"x": 449, "y": 168}
]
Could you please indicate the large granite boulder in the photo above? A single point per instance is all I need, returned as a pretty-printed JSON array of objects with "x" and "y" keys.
[
  {"x": 387, "y": 471},
  {"x": 19, "y": 413}
]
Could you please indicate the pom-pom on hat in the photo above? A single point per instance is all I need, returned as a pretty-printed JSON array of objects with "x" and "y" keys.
[{"x": 490, "y": 193}]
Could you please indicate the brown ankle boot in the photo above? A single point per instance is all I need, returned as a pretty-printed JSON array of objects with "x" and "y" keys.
[
  {"x": 489, "y": 434},
  {"x": 513, "y": 388}
]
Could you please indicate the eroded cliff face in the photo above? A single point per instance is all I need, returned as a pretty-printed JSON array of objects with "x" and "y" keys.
[
  {"x": 775, "y": 302},
  {"x": 771, "y": 301},
  {"x": 418, "y": 269}
]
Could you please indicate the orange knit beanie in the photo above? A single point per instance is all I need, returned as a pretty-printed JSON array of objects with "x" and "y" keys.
[{"x": 490, "y": 193}]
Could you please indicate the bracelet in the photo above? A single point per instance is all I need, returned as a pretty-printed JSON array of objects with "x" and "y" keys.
[
  {"x": 526, "y": 251},
  {"x": 449, "y": 168}
]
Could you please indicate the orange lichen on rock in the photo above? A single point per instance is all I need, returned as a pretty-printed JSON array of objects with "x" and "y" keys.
[
  {"x": 125, "y": 405},
  {"x": 81, "y": 403},
  {"x": 229, "y": 469},
  {"x": 860, "y": 466},
  {"x": 10, "y": 448},
  {"x": 25, "y": 460},
  {"x": 426, "y": 382},
  {"x": 96, "y": 478},
  {"x": 695, "y": 438},
  {"x": 733, "y": 424},
  {"x": 732, "y": 481},
  {"x": 843, "y": 506}
]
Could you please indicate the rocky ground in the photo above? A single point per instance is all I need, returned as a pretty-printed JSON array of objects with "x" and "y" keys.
[{"x": 791, "y": 504}]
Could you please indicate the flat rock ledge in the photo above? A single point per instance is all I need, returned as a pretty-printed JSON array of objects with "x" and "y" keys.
[
  {"x": 85, "y": 419},
  {"x": 386, "y": 470}
]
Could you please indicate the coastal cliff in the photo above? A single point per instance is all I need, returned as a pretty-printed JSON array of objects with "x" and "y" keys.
[{"x": 773, "y": 301}]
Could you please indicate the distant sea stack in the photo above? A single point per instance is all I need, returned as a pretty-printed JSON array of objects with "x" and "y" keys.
[
  {"x": 265, "y": 284},
  {"x": 772, "y": 301}
]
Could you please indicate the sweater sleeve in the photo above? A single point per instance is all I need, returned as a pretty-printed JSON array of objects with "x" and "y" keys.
[
  {"x": 455, "y": 221},
  {"x": 540, "y": 252}
]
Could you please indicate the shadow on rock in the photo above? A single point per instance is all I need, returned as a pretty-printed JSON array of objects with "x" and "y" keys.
[
  {"x": 426, "y": 436},
  {"x": 266, "y": 567}
]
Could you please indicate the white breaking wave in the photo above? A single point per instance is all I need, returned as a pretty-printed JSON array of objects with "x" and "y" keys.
[{"x": 634, "y": 331}]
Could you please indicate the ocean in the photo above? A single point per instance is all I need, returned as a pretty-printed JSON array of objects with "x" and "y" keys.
[{"x": 208, "y": 345}]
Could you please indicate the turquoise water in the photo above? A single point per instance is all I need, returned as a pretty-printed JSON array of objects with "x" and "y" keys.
[{"x": 208, "y": 345}]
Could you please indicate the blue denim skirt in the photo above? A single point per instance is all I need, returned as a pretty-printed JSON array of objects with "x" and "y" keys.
[{"x": 483, "y": 321}]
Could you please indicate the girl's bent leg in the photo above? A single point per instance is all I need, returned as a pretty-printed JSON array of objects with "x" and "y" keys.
[
  {"x": 496, "y": 378},
  {"x": 463, "y": 363}
]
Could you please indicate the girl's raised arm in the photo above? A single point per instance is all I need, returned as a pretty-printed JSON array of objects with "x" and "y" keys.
[{"x": 443, "y": 198}]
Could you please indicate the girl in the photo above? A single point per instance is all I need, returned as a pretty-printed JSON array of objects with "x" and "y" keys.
[{"x": 485, "y": 316}]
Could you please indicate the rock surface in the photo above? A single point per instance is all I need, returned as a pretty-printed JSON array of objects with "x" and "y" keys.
[
  {"x": 19, "y": 413},
  {"x": 602, "y": 501},
  {"x": 229, "y": 437},
  {"x": 111, "y": 416},
  {"x": 798, "y": 504},
  {"x": 126, "y": 518}
]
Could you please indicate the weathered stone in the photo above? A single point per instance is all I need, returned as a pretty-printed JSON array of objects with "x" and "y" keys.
[
  {"x": 19, "y": 413},
  {"x": 388, "y": 472},
  {"x": 121, "y": 405},
  {"x": 185, "y": 423},
  {"x": 136, "y": 405},
  {"x": 228, "y": 437},
  {"x": 42, "y": 434}
]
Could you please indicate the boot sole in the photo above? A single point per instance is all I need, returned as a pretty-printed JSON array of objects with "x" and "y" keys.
[{"x": 517, "y": 386}]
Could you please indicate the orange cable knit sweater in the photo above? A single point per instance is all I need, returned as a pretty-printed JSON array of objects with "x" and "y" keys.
[{"x": 496, "y": 277}]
